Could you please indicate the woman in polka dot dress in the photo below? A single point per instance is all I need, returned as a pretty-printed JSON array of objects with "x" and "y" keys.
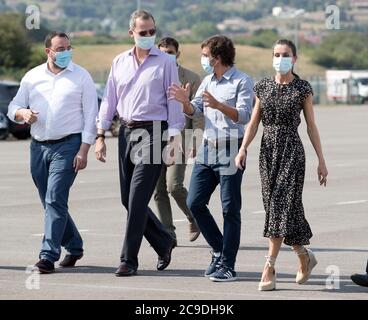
[{"x": 279, "y": 102}]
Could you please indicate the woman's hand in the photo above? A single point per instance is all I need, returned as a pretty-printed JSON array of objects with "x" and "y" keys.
[
  {"x": 240, "y": 159},
  {"x": 322, "y": 173}
]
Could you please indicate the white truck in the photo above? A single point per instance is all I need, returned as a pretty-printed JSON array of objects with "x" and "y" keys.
[{"x": 347, "y": 86}]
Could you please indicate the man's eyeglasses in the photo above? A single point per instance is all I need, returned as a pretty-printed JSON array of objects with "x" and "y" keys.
[{"x": 146, "y": 33}]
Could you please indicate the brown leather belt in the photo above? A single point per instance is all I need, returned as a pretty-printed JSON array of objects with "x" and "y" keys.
[{"x": 132, "y": 124}]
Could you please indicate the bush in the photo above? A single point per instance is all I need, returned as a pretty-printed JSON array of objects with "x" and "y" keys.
[
  {"x": 343, "y": 50},
  {"x": 15, "y": 48}
]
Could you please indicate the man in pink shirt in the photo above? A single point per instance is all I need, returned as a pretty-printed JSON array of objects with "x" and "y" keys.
[{"x": 137, "y": 88}]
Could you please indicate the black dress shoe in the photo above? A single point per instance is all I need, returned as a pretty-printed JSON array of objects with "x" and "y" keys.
[
  {"x": 44, "y": 266},
  {"x": 125, "y": 271},
  {"x": 163, "y": 262},
  {"x": 69, "y": 261},
  {"x": 360, "y": 279}
]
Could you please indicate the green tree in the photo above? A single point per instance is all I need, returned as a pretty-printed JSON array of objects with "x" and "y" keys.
[
  {"x": 203, "y": 30},
  {"x": 343, "y": 50},
  {"x": 14, "y": 45},
  {"x": 264, "y": 38}
]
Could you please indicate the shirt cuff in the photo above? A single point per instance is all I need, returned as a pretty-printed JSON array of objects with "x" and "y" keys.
[
  {"x": 243, "y": 117},
  {"x": 194, "y": 114},
  {"x": 11, "y": 114},
  {"x": 173, "y": 132},
  {"x": 88, "y": 137},
  {"x": 103, "y": 124}
]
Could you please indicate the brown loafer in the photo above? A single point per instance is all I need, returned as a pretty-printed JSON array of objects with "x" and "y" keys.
[
  {"x": 69, "y": 261},
  {"x": 125, "y": 271},
  {"x": 194, "y": 231},
  {"x": 44, "y": 266}
]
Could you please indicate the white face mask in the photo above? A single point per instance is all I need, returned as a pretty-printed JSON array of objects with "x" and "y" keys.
[{"x": 282, "y": 64}]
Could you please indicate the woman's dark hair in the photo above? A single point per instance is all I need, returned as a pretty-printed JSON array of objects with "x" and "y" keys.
[
  {"x": 292, "y": 46},
  {"x": 222, "y": 46}
]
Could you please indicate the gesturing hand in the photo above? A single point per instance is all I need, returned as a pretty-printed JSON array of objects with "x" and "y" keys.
[
  {"x": 210, "y": 101},
  {"x": 178, "y": 93}
]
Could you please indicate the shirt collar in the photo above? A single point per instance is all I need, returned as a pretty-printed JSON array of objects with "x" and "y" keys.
[
  {"x": 227, "y": 75},
  {"x": 70, "y": 67},
  {"x": 153, "y": 52}
]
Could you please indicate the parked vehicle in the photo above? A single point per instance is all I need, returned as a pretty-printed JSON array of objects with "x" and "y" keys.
[
  {"x": 8, "y": 89},
  {"x": 347, "y": 86},
  {"x": 4, "y": 126}
]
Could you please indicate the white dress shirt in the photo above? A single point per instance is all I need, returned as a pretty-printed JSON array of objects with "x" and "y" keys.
[{"x": 66, "y": 102}]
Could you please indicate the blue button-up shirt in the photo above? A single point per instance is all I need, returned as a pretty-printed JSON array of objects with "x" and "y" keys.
[{"x": 234, "y": 89}]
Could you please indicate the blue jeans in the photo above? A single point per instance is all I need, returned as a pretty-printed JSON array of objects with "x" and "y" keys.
[
  {"x": 53, "y": 174},
  {"x": 204, "y": 180}
]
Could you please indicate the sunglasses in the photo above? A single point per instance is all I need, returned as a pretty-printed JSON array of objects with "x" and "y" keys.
[{"x": 146, "y": 33}]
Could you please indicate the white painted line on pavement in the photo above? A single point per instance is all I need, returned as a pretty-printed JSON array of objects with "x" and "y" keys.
[
  {"x": 180, "y": 220},
  {"x": 190, "y": 292},
  {"x": 258, "y": 212},
  {"x": 351, "y": 202}
]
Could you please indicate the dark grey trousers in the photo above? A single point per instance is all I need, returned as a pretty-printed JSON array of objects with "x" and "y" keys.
[{"x": 137, "y": 183}]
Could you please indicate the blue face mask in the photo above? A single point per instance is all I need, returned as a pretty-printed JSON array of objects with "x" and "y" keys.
[
  {"x": 172, "y": 57},
  {"x": 282, "y": 64},
  {"x": 62, "y": 59},
  {"x": 206, "y": 65},
  {"x": 145, "y": 43}
]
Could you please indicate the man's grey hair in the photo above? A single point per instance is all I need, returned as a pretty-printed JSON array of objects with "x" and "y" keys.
[{"x": 142, "y": 14}]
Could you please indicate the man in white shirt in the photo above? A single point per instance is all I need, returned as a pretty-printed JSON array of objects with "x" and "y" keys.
[{"x": 59, "y": 100}]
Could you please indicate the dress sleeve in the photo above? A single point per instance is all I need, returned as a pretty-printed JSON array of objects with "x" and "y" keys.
[
  {"x": 257, "y": 88},
  {"x": 306, "y": 91}
]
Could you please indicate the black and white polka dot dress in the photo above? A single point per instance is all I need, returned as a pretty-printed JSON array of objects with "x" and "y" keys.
[{"x": 282, "y": 159}]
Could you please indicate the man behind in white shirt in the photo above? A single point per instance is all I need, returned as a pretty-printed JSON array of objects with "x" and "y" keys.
[{"x": 59, "y": 100}]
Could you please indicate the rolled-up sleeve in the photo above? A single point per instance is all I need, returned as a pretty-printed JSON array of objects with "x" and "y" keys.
[
  {"x": 175, "y": 115},
  {"x": 20, "y": 101},
  {"x": 90, "y": 110},
  {"x": 197, "y": 101},
  {"x": 244, "y": 103},
  {"x": 108, "y": 103}
]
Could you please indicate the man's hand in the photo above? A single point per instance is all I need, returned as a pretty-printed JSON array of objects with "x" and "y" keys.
[
  {"x": 180, "y": 94},
  {"x": 100, "y": 149},
  {"x": 210, "y": 101},
  {"x": 80, "y": 160},
  {"x": 28, "y": 115}
]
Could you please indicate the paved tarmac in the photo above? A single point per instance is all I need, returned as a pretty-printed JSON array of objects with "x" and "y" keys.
[{"x": 337, "y": 214}]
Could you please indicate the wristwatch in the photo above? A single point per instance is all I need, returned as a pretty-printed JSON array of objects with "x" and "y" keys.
[{"x": 100, "y": 135}]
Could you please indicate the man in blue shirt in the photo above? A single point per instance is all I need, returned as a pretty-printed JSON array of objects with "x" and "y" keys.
[{"x": 225, "y": 97}]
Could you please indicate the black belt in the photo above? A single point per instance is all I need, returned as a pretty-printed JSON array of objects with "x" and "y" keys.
[
  {"x": 58, "y": 140},
  {"x": 132, "y": 124},
  {"x": 223, "y": 142}
]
